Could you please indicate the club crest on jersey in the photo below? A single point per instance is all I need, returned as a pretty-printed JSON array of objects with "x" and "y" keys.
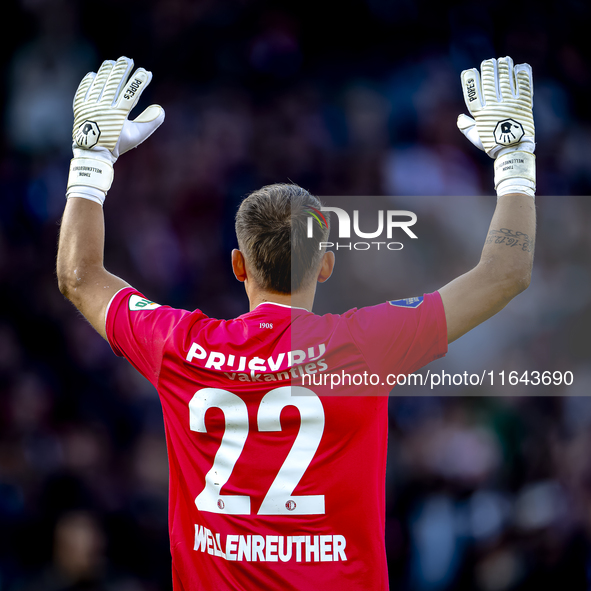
[
  {"x": 137, "y": 303},
  {"x": 407, "y": 302},
  {"x": 88, "y": 134},
  {"x": 508, "y": 132}
]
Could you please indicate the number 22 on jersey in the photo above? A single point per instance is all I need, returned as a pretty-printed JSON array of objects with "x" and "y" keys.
[{"x": 279, "y": 499}]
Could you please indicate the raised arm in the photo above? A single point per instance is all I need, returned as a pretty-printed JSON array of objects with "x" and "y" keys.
[
  {"x": 101, "y": 133},
  {"x": 82, "y": 278},
  {"x": 501, "y": 103},
  {"x": 503, "y": 272}
]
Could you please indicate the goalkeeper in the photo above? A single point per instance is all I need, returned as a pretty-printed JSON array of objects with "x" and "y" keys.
[{"x": 250, "y": 507}]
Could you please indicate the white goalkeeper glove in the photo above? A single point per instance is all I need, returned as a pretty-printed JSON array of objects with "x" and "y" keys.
[
  {"x": 500, "y": 101},
  {"x": 102, "y": 130}
]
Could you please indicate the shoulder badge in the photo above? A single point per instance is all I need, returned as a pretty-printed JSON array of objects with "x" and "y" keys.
[
  {"x": 407, "y": 302},
  {"x": 137, "y": 303}
]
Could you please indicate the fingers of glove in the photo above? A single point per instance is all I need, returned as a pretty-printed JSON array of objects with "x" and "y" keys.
[
  {"x": 131, "y": 92},
  {"x": 117, "y": 79},
  {"x": 525, "y": 83},
  {"x": 506, "y": 82},
  {"x": 141, "y": 128},
  {"x": 472, "y": 90},
  {"x": 467, "y": 126},
  {"x": 99, "y": 81},
  {"x": 490, "y": 81},
  {"x": 83, "y": 88}
]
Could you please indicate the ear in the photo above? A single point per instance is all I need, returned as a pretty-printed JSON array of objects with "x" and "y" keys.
[
  {"x": 326, "y": 267},
  {"x": 238, "y": 265}
]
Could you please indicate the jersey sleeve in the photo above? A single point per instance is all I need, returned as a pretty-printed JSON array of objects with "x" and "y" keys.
[
  {"x": 401, "y": 336},
  {"x": 139, "y": 329}
]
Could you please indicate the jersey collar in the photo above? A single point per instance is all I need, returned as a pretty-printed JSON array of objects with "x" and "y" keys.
[{"x": 280, "y": 305}]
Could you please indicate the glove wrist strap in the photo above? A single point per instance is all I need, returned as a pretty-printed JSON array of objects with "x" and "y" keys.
[
  {"x": 516, "y": 186},
  {"x": 90, "y": 172},
  {"x": 515, "y": 172},
  {"x": 89, "y": 193}
]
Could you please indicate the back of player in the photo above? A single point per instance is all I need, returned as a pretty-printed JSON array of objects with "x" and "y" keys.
[{"x": 275, "y": 483}]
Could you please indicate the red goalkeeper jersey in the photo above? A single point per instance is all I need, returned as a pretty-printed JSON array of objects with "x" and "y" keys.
[{"x": 276, "y": 427}]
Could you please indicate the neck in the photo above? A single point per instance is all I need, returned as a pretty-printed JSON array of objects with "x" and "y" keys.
[{"x": 302, "y": 299}]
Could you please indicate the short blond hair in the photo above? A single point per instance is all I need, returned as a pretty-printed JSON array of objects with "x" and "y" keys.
[{"x": 271, "y": 227}]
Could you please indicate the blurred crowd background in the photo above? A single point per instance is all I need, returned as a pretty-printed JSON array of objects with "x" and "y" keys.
[{"x": 488, "y": 493}]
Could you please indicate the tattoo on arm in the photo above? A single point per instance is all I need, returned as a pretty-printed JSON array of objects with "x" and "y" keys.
[{"x": 510, "y": 238}]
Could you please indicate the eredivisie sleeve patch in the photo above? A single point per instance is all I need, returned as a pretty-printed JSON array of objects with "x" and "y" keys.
[{"x": 137, "y": 303}]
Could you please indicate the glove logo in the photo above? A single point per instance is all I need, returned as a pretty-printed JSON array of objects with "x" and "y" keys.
[
  {"x": 132, "y": 89},
  {"x": 88, "y": 134},
  {"x": 508, "y": 132}
]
